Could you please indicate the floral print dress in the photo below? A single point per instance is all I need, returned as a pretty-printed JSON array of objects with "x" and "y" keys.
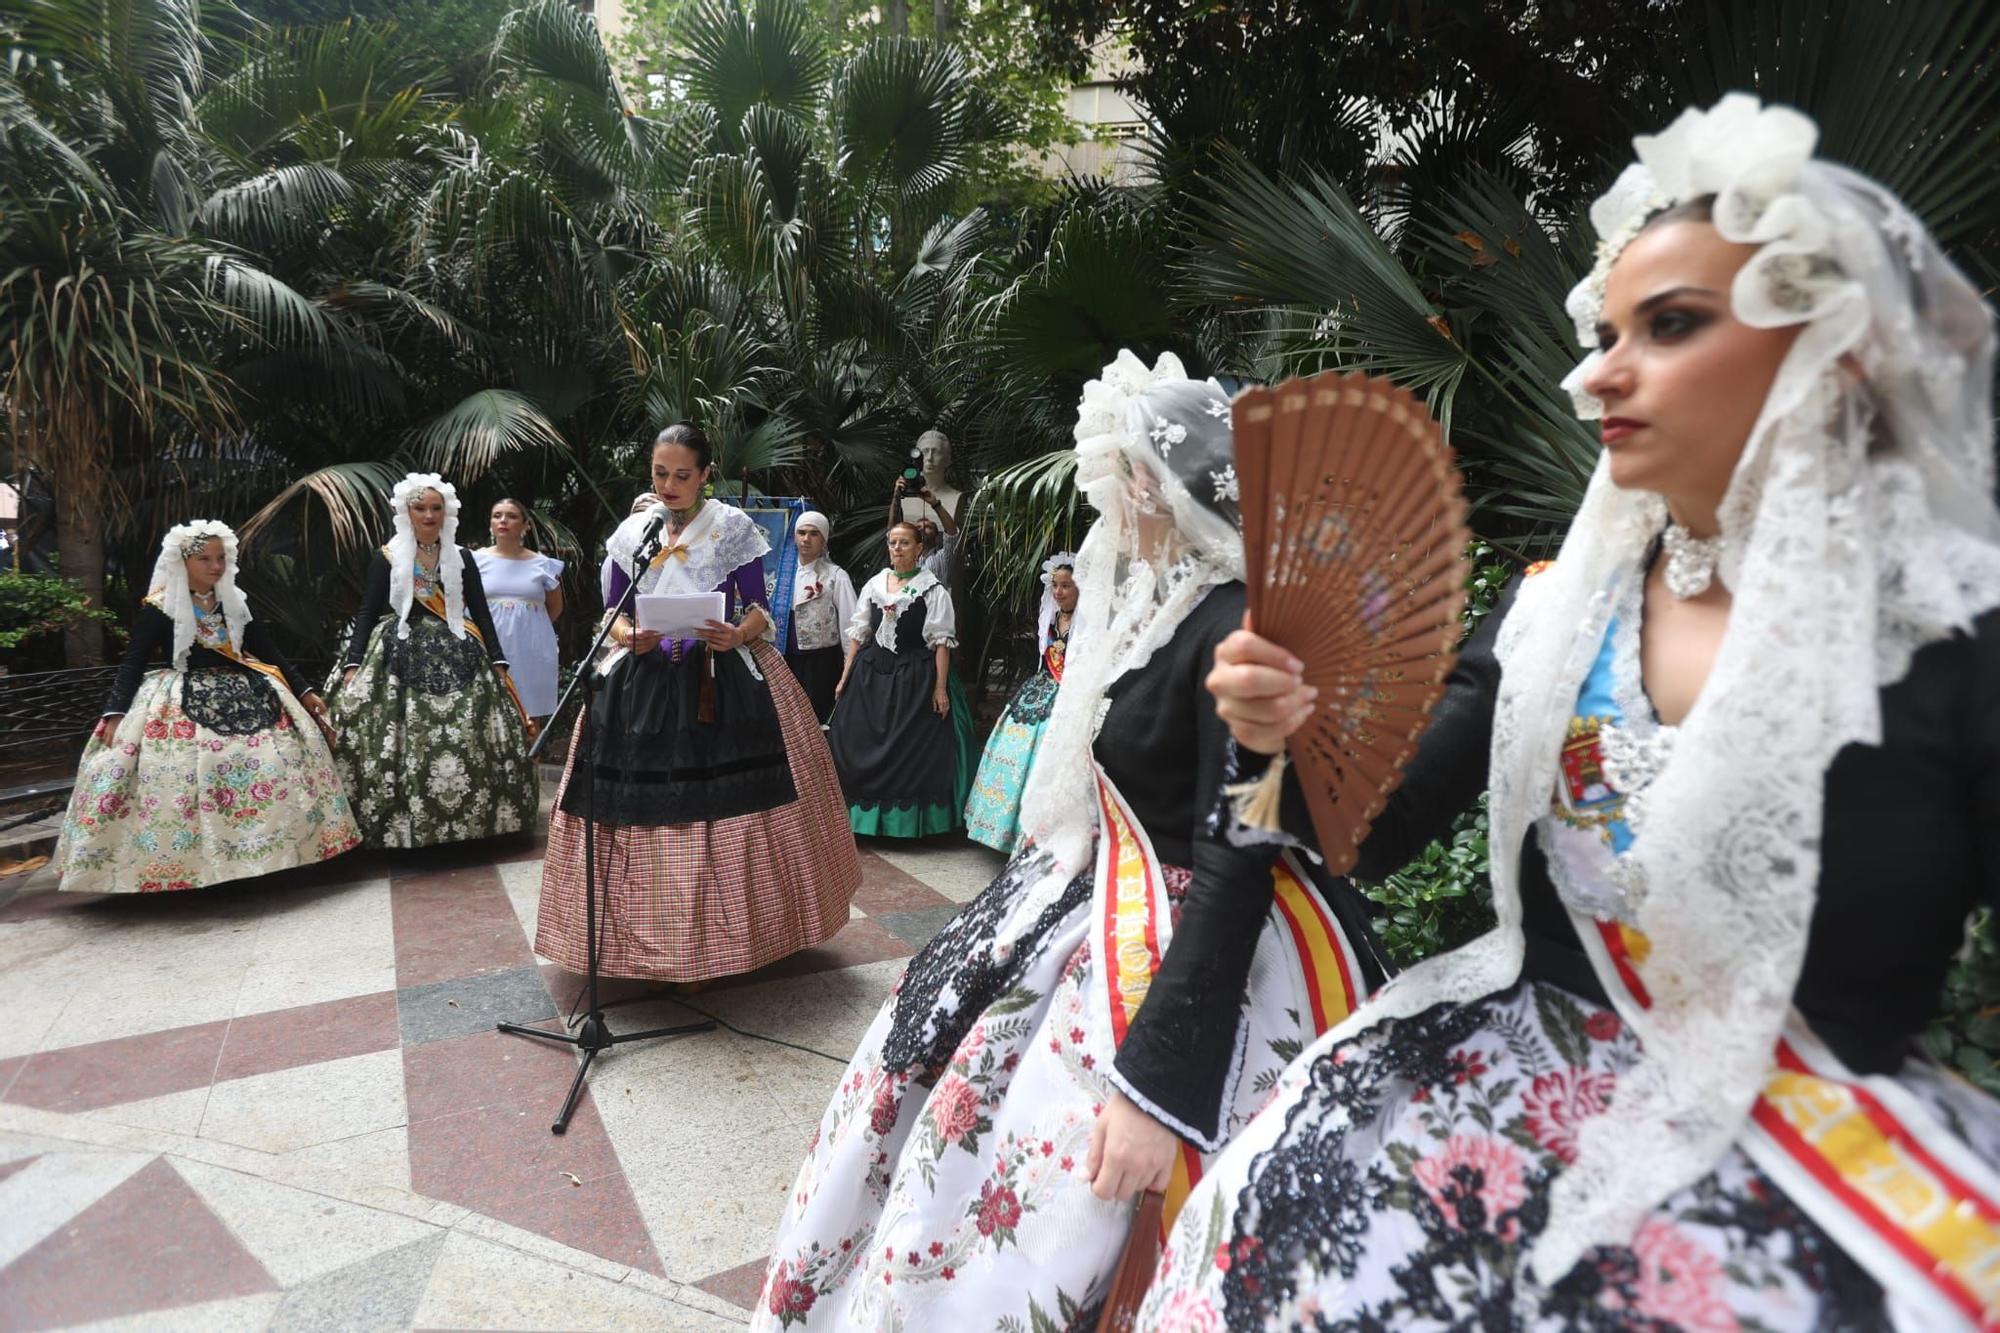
[
  {"x": 211, "y": 774},
  {"x": 430, "y": 743}
]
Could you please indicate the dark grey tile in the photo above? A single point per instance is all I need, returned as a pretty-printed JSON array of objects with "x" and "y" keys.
[
  {"x": 916, "y": 928},
  {"x": 441, "y": 1009},
  {"x": 381, "y": 1292}
]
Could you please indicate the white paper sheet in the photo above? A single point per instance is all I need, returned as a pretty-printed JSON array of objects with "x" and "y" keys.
[{"x": 678, "y": 615}]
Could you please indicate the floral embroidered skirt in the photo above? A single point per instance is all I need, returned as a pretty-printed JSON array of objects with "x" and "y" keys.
[
  {"x": 993, "y": 815},
  {"x": 689, "y": 901},
  {"x": 1400, "y": 1178},
  {"x": 173, "y": 802},
  {"x": 945, "y": 1185},
  {"x": 430, "y": 744}
]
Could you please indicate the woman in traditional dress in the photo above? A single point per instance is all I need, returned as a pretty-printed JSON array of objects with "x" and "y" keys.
[
  {"x": 822, "y": 604},
  {"x": 993, "y": 815},
  {"x": 524, "y": 592},
  {"x": 1678, "y": 1085},
  {"x": 432, "y": 740},
  {"x": 902, "y": 733},
  {"x": 212, "y": 767},
  {"x": 720, "y": 844},
  {"x": 1115, "y": 1005}
]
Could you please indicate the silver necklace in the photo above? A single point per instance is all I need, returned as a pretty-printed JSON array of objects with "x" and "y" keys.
[{"x": 1691, "y": 561}]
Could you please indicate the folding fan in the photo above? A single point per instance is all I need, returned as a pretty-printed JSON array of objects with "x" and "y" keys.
[{"x": 1354, "y": 536}]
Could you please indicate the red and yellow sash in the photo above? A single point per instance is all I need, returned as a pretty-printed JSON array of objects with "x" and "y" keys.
[
  {"x": 1870, "y": 1163},
  {"x": 1133, "y": 924}
]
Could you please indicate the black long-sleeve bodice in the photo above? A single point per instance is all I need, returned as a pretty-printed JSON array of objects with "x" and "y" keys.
[
  {"x": 153, "y": 636},
  {"x": 1910, "y": 842},
  {"x": 1165, "y": 749},
  {"x": 375, "y": 602}
]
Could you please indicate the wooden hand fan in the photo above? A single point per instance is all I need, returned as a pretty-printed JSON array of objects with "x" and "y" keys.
[{"x": 1354, "y": 540}]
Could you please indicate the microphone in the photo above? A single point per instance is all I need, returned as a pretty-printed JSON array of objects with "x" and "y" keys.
[{"x": 649, "y": 540}]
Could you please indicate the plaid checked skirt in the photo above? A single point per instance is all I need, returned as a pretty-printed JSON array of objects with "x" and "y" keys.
[{"x": 685, "y": 902}]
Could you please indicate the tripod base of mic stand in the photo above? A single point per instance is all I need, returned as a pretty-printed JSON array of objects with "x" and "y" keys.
[{"x": 592, "y": 1036}]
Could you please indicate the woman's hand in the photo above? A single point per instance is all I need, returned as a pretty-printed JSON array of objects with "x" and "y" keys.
[
  {"x": 840, "y": 685},
  {"x": 105, "y": 726},
  {"x": 1129, "y": 1151},
  {"x": 1260, "y": 691},
  {"x": 313, "y": 703},
  {"x": 940, "y": 701},
  {"x": 347, "y": 676},
  {"x": 719, "y": 637},
  {"x": 642, "y": 640}
]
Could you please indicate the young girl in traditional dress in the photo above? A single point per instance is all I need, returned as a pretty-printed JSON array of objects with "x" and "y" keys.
[
  {"x": 1751, "y": 715},
  {"x": 210, "y": 768},
  {"x": 822, "y": 604},
  {"x": 1115, "y": 1005},
  {"x": 524, "y": 592},
  {"x": 432, "y": 740},
  {"x": 902, "y": 732},
  {"x": 993, "y": 815},
  {"x": 719, "y": 836}
]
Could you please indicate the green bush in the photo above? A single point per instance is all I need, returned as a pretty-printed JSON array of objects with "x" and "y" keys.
[
  {"x": 1966, "y": 1033},
  {"x": 35, "y": 604},
  {"x": 1443, "y": 898}
]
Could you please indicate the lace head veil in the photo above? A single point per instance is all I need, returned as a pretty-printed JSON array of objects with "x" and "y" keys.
[
  {"x": 402, "y": 553},
  {"x": 1046, "y": 620},
  {"x": 1155, "y": 459},
  {"x": 170, "y": 583},
  {"x": 1858, "y": 526}
]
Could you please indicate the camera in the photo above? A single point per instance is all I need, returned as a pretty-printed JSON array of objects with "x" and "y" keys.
[{"x": 912, "y": 473}]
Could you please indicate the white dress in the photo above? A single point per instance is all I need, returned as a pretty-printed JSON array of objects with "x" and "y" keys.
[{"x": 518, "y": 593}]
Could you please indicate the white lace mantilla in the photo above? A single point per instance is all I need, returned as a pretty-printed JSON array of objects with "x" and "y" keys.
[
  {"x": 1860, "y": 527},
  {"x": 720, "y": 540}
]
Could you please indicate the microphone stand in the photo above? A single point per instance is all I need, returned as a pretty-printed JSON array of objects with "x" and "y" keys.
[{"x": 594, "y": 1034}]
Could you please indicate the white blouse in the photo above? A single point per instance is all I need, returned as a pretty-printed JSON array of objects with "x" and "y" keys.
[{"x": 940, "y": 621}]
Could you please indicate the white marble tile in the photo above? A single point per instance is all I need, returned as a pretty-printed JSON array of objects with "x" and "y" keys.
[
  {"x": 49, "y": 1191},
  {"x": 249, "y": 1314},
  {"x": 313, "y": 1104},
  {"x": 175, "y": 1113},
  {"x": 479, "y": 1284},
  {"x": 957, "y": 871},
  {"x": 377, "y": 1159},
  {"x": 326, "y": 944},
  {"x": 523, "y": 882},
  {"x": 714, "y": 1204},
  {"x": 296, "y": 1234}
]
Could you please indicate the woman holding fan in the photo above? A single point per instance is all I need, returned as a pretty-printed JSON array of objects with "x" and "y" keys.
[
  {"x": 1112, "y": 1008},
  {"x": 430, "y": 736},
  {"x": 993, "y": 815},
  {"x": 719, "y": 838},
  {"x": 1751, "y": 717}
]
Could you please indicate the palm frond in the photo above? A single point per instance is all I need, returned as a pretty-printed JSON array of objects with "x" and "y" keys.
[
  {"x": 472, "y": 435},
  {"x": 734, "y": 58},
  {"x": 354, "y": 497},
  {"x": 899, "y": 116}
]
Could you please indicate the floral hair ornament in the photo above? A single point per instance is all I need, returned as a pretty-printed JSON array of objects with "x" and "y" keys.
[
  {"x": 402, "y": 553},
  {"x": 169, "y": 589},
  {"x": 1749, "y": 158}
]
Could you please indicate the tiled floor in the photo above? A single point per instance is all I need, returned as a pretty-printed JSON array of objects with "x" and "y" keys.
[{"x": 283, "y": 1104}]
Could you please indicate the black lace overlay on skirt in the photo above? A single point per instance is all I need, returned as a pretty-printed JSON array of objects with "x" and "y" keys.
[
  {"x": 654, "y": 761},
  {"x": 433, "y": 660},
  {"x": 229, "y": 701},
  {"x": 924, "y": 1028},
  {"x": 1308, "y": 1201},
  {"x": 1034, "y": 701}
]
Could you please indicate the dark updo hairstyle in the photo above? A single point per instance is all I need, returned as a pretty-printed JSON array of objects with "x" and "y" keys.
[
  {"x": 688, "y": 436},
  {"x": 527, "y": 519}
]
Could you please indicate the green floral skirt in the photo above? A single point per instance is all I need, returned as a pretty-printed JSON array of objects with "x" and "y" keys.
[{"x": 431, "y": 747}]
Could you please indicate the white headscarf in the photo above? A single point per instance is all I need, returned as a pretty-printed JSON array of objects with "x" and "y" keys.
[
  {"x": 1151, "y": 444},
  {"x": 1858, "y": 527},
  {"x": 403, "y": 553},
  {"x": 170, "y": 583},
  {"x": 1045, "y": 623},
  {"x": 802, "y": 588}
]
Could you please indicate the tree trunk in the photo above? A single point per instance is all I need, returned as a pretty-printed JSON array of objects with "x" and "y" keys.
[
  {"x": 80, "y": 557},
  {"x": 944, "y": 19},
  {"x": 896, "y": 17}
]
